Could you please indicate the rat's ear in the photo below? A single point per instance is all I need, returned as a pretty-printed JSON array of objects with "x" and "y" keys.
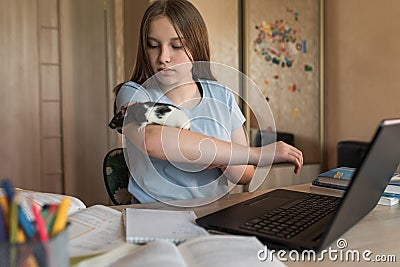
[{"x": 125, "y": 107}]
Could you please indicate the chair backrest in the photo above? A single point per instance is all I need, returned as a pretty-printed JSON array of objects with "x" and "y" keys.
[
  {"x": 116, "y": 177},
  {"x": 265, "y": 137},
  {"x": 351, "y": 153}
]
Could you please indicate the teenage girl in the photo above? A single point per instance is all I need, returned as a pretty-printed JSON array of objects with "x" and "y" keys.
[{"x": 173, "y": 67}]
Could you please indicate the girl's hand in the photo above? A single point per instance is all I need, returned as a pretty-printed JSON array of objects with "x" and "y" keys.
[
  {"x": 283, "y": 153},
  {"x": 222, "y": 167},
  {"x": 288, "y": 153}
]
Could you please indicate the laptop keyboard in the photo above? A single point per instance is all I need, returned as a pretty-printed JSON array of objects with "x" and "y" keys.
[{"x": 289, "y": 220}]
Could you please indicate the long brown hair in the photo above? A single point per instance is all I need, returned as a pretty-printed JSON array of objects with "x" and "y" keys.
[{"x": 191, "y": 29}]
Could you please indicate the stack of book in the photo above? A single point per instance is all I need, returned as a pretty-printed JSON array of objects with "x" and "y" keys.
[{"x": 335, "y": 182}]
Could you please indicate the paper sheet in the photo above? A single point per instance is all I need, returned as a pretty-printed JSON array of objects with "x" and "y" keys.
[{"x": 94, "y": 230}]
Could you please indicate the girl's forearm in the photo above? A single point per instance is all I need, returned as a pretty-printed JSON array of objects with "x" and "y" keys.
[
  {"x": 184, "y": 146},
  {"x": 179, "y": 145},
  {"x": 239, "y": 174}
]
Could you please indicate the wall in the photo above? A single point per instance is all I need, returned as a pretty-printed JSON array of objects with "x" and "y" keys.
[
  {"x": 223, "y": 32},
  {"x": 361, "y": 58},
  {"x": 133, "y": 13}
]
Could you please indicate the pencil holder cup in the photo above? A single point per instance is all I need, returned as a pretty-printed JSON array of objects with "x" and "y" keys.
[{"x": 35, "y": 253}]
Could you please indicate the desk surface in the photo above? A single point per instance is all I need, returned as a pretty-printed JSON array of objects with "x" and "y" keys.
[{"x": 377, "y": 232}]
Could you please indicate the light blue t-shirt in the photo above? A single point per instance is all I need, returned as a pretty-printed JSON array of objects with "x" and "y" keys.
[{"x": 217, "y": 115}]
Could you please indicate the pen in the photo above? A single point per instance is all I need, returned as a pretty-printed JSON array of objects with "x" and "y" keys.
[
  {"x": 40, "y": 226},
  {"x": 61, "y": 216}
]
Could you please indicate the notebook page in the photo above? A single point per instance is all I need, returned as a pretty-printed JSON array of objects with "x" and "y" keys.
[
  {"x": 145, "y": 225},
  {"x": 94, "y": 230},
  {"x": 27, "y": 197},
  {"x": 225, "y": 251},
  {"x": 154, "y": 254}
]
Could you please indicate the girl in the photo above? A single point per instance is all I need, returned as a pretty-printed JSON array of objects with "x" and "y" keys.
[{"x": 173, "y": 67}]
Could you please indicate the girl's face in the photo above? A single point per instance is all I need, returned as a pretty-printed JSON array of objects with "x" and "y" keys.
[{"x": 166, "y": 53}]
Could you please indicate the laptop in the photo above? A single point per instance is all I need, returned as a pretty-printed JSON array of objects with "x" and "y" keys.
[{"x": 287, "y": 219}]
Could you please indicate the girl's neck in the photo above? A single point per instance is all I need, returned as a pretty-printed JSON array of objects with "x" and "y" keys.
[{"x": 186, "y": 95}]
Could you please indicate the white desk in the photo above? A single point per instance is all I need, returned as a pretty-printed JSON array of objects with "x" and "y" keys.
[{"x": 378, "y": 231}]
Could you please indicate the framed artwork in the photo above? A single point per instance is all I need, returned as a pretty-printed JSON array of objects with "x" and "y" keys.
[{"x": 283, "y": 57}]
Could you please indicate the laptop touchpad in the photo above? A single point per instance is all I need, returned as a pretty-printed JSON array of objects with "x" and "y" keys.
[{"x": 270, "y": 201}]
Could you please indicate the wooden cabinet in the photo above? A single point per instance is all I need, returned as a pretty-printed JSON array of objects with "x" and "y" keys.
[
  {"x": 57, "y": 74},
  {"x": 31, "y": 138}
]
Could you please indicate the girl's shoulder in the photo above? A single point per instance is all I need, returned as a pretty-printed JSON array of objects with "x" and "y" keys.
[
  {"x": 131, "y": 88},
  {"x": 147, "y": 89},
  {"x": 131, "y": 85},
  {"x": 215, "y": 89}
]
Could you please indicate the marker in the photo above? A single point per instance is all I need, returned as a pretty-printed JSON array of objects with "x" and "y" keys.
[
  {"x": 13, "y": 232},
  {"x": 21, "y": 238},
  {"x": 25, "y": 224},
  {"x": 3, "y": 229},
  {"x": 40, "y": 225},
  {"x": 13, "y": 222},
  {"x": 43, "y": 212},
  {"x": 30, "y": 261},
  {"x": 50, "y": 216},
  {"x": 8, "y": 188},
  {"x": 61, "y": 216},
  {"x": 4, "y": 205},
  {"x": 40, "y": 251},
  {"x": 25, "y": 258}
]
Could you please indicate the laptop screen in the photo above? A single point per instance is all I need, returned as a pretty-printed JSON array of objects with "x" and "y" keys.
[{"x": 369, "y": 180}]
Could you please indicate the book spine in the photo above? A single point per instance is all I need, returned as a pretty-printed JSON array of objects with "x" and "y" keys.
[
  {"x": 334, "y": 186},
  {"x": 387, "y": 194},
  {"x": 340, "y": 187},
  {"x": 390, "y": 188},
  {"x": 388, "y": 201}
]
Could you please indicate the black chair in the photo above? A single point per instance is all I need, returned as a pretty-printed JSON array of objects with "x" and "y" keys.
[
  {"x": 265, "y": 137},
  {"x": 351, "y": 153},
  {"x": 116, "y": 176}
]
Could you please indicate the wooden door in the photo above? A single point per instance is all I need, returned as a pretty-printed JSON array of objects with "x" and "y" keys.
[{"x": 87, "y": 79}]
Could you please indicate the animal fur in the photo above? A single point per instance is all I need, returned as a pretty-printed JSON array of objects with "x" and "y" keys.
[{"x": 147, "y": 113}]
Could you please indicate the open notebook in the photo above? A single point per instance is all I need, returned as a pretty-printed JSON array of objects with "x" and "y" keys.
[{"x": 145, "y": 225}]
